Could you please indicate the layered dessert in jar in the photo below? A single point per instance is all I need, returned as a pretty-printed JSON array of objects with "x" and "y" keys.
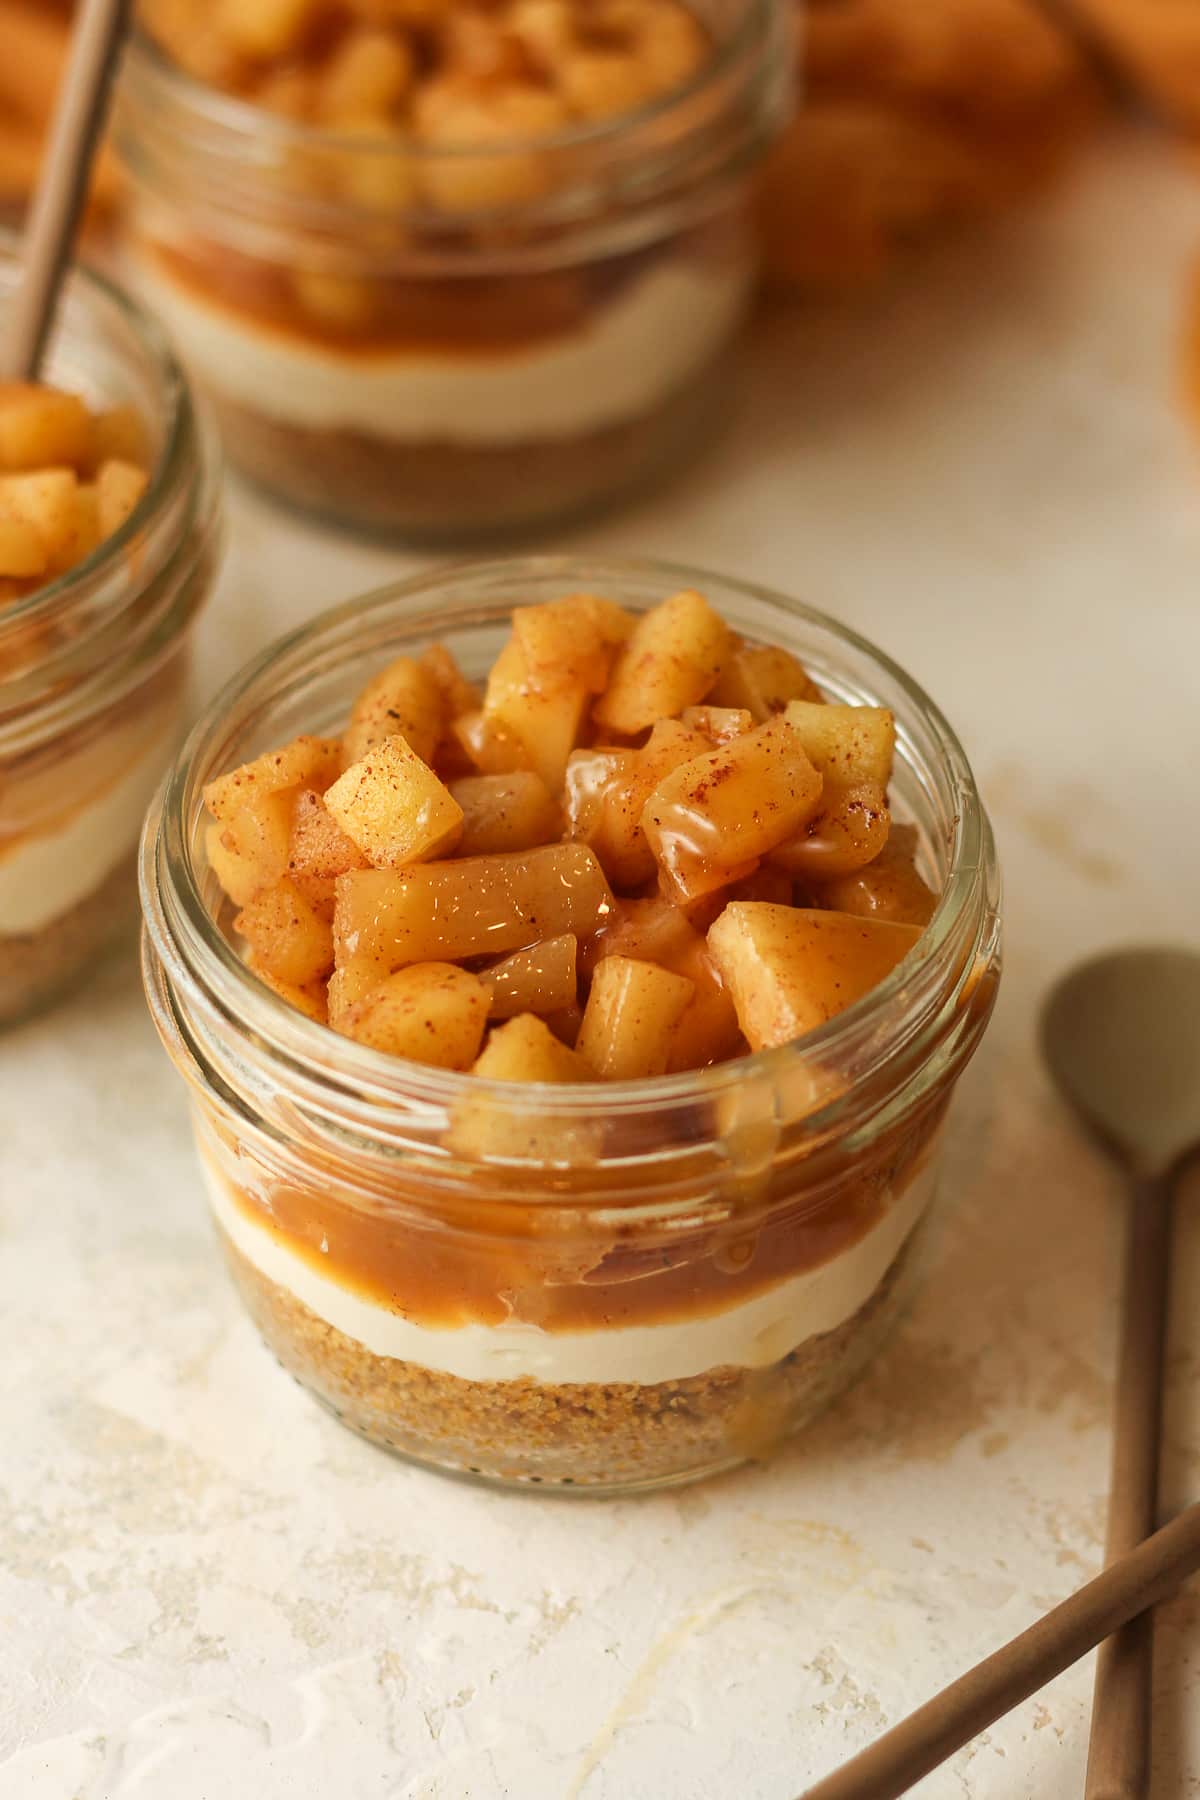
[
  {"x": 105, "y": 549},
  {"x": 451, "y": 267},
  {"x": 625, "y": 1008}
]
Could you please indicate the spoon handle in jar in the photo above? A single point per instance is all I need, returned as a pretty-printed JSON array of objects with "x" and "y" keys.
[
  {"x": 1119, "y": 1751},
  {"x": 923, "y": 1741},
  {"x": 62, "y": 183}
]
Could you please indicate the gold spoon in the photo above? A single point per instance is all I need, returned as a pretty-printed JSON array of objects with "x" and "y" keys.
[{"x": 1122, "y": 1039}]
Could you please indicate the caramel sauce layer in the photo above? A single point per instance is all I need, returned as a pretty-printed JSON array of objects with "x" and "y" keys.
[{"x": 489, "y": 1262}]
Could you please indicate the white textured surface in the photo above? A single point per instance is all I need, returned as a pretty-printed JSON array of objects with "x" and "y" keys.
[{"x": 210, "y": 1591}]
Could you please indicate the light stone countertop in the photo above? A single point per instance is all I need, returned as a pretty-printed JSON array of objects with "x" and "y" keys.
[{"x": 211, "y": 1591}]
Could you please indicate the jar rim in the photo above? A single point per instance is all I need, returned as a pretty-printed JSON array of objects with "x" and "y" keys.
[
  {"x": 145, "y": 55},
  {"x": 178, "y": 414},
  {"x": 189, "y": 943}
]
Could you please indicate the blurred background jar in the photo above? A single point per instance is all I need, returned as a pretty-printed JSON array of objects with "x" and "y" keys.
[
  {"x": 94, "y": 661},
  {"x": 471, "y": 273}
]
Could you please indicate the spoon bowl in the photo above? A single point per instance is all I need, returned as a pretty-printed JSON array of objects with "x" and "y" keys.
[{"x": 1121, "y": 1035}]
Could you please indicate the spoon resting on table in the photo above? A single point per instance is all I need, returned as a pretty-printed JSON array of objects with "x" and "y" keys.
[{"x": 1121, "y": 1036}]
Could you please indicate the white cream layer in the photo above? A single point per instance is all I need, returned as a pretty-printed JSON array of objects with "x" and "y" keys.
[
  {"x": 749, "y": 1336},
  {"x": 44, "y": 875},
  {"x": 632, "y": 353}
]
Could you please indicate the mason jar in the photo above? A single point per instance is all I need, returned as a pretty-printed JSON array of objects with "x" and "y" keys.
[
  {"x": 460, "y": 340},
  {"x": 94, "y": 665},
  {"x": 597, "y": 1287}
]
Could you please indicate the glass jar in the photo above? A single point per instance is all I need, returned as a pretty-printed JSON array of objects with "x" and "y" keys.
[
  {"x": 94, "y": 666},
  {"x": 602, "y": 1288},
  {"x": 453, "y": 342}
]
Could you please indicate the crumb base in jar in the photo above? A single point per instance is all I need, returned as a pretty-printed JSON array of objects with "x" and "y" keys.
[
  {"x": 588, "y": 1437},
  {"x": 36, "y": 966},
  {"x": 439, "y": 490}
]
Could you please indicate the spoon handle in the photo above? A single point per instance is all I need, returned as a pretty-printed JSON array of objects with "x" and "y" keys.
[
  {"x": 1119, "y": 1751},
  {"x": 922, "y": 1742}
]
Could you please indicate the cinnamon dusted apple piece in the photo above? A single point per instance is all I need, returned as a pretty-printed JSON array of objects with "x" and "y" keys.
[
  {"x": 568, "y": 642},
  {"x": 630, "y": 1019},
  {"x": 789, "y": 969},
  {"x": 542, "y": 979},
  {"x": 447, "y": 911},
  {"x": 429, "y": 1012},
  {"x": 404, "y": 699},
  {"x": 673, "y": 659},
  {"x": 253, "y": 805},
  {"x": 852, "y": 747},
  {"x": 890, "y": 887},
  {"x": 289, "y": 938},
  {"x": 319, "y": 851},
  {"x": 710, "y": 821},
  {"x": 545, "y": 721},
  {"x": 763, "y": 678},
  {"x": 392, "y": 805},
  {"x": 505, "y": 812},
  {"x": 616, "y": 832}
]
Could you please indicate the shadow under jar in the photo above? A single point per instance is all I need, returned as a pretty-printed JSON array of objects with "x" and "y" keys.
[
  {"x": 463, "y": 339},
  {"x": 94, "y": 666},
  {"x": 602, "y": 1288}
]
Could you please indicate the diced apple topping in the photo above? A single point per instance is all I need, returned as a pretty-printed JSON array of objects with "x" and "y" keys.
[
  {"x": 763, "y": 678},
  {"x": 710, "y": 821},
  {"x": 478, "y": 906},
  {"x": 630, "y": 1018},
  {"x": 543, "y": 979},
  {"x": 286, "y": 933},
  {"x": 405, "y": 700},
  {"x": 789, "y": 969},
  {"x": 392, "y": 805},
  {"x": 545, "y": 720},
  {"x": 428, "y": 1012},
  {"x": 499, "y": 887},
  {"x": 889, "y": 888},
  {"x": 319, "y": 851},
  {"x": 673, "y": 659},
  {"x": 505, "y": 812},
  {"x": 69, "y": 479},
  {"x": 852, "y": 748}
]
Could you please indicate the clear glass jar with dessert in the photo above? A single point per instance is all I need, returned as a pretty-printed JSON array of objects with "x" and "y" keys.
[
  {"x": 569, "y": 1056},
  {"x": 447, "y": 269},
  {"x": 107, "y": 533}
]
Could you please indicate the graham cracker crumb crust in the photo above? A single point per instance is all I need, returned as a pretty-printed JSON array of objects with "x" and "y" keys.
[{"x": 586, "y": 1434}]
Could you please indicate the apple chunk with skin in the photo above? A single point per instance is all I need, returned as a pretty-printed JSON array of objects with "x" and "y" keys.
[
  {"x": 392, "y": 805},
  {"x": 789, "y": 969}
]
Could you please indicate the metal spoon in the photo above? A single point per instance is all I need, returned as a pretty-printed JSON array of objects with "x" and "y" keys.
[{"x": 1122, "y": 1039}]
